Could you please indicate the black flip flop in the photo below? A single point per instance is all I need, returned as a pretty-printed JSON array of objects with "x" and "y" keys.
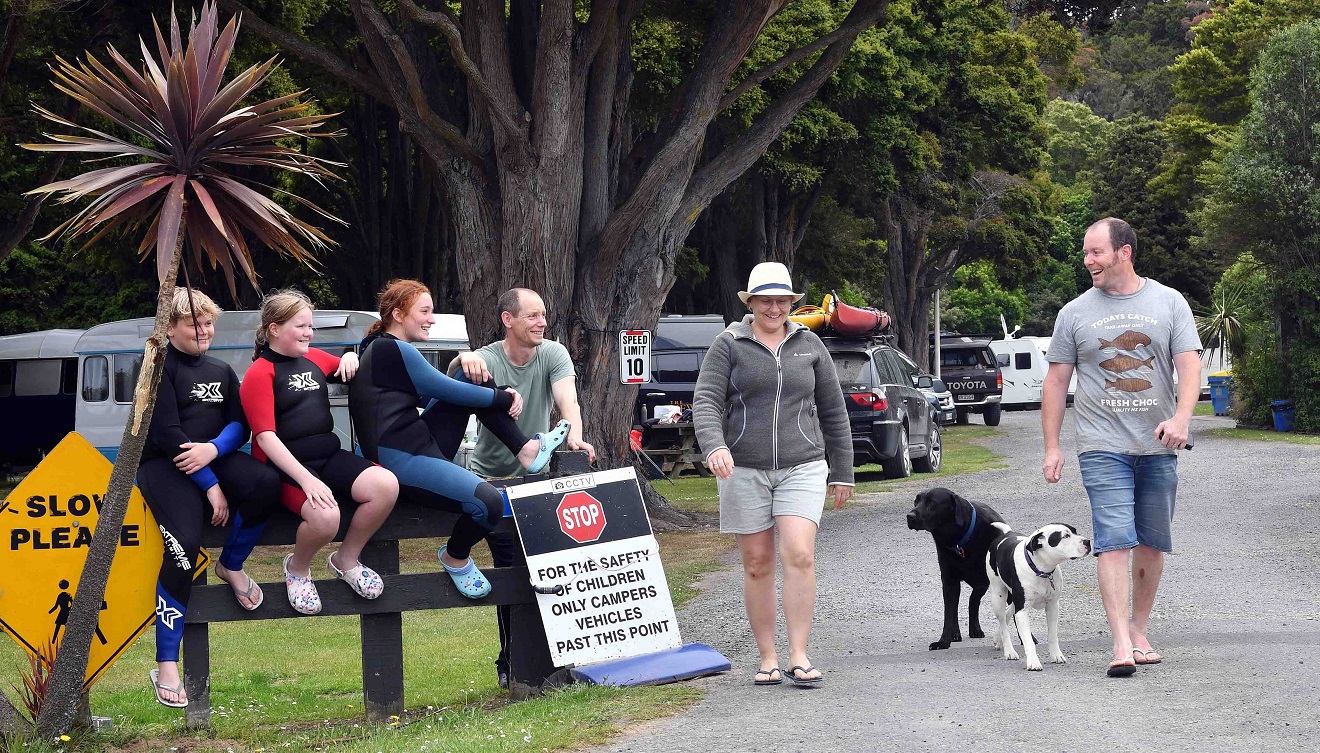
[
  {"x": 1123, "y": 669},
  {"x": 770, "y": 676},
  {"x": 804, "y": 682}
]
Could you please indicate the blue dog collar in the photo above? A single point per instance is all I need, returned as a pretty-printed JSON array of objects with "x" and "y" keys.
[
  {"x": 1047, "y": 576},
  {"x": 971, "y": 527}
]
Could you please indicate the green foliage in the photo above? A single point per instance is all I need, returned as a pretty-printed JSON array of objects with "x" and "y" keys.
[
  {"x": 1074, "y": 137},
  {"x": 1056, "y": 48},
  {"x": 1127, "y": 64},
  {"x": 1266, "y": 199},
  {"x": 1212, "y": 79},
  {"x": 44, "y": 289},
  {"x": 978, "y": 300},
  {"x": 840, "y": 252}
]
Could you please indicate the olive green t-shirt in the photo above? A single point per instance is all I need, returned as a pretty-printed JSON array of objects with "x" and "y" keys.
[{"x": 550, "y": 364}]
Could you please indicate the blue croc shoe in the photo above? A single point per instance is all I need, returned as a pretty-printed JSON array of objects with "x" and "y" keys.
[
  {"x": 469, "y": 581},
  {"x": 550, "y": 441}
]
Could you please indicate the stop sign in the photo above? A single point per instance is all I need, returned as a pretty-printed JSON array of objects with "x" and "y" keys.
[{"x": 581, "y": 517}]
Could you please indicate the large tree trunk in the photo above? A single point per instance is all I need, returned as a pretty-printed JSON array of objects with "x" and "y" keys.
[
  {"x": 907, "y": 290},
  {"x": 60, "y": 709}
]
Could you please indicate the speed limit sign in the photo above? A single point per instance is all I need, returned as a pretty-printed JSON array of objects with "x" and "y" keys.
[{"x": 634, "y": 356}]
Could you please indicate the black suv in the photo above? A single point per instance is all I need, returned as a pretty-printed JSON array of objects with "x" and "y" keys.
[
  {"x": 969, "y": 369},
  {"x": 680, "y": 345},
  {"x": 892, "y": 422}
]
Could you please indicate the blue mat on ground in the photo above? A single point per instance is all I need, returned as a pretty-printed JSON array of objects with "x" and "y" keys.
[{"x": 682, "y": 663}]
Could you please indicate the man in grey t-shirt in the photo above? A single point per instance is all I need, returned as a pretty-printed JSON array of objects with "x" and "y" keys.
[{"x": 1125, "y": 337}]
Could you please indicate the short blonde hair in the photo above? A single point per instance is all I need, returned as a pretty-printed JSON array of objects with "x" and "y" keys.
[
  {"x": 181, "y": 308},
  {"x": 278, "y": 307}
]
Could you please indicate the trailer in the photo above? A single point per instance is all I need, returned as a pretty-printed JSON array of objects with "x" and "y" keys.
[{"x": 38, "y": 382}]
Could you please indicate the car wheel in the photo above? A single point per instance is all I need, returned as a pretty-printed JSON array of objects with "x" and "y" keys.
[
  {"x": 899, "y": 466},
  {"x": 992, "y": 414},
  {"x": 935, "y": 454},
  {"x": 961, "y": 416}
]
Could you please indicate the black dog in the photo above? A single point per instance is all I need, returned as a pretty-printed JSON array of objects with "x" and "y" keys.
[{"x": 962, "y": 531}]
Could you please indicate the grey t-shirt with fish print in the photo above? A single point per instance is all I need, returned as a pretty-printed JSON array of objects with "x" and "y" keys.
[{"x": 1123, "y": 348}]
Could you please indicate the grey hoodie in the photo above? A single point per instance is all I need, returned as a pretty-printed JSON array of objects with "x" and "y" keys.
[{"x": 773, "y": 410}]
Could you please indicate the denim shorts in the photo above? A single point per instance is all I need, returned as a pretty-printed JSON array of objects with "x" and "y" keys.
[
  {"x": 1132, "y": 499},
  {"x": 751, "y": 499}
]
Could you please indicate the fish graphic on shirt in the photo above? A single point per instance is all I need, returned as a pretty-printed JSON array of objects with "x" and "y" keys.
[
  {"x": 1126, "y": 341},
  {"x": 1125, "y": 363},
  {"x": 1128, "y": 385}
]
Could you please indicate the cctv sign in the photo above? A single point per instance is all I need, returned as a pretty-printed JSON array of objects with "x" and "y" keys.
[{"x": 634, "y": 356}]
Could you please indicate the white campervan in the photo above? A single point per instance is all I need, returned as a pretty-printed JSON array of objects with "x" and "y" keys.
[{"x": 1023, "y": 367}]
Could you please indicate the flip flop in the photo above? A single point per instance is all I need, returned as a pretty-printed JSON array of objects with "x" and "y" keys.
[
  {"x": 1121, "y": 668},
  {"x": 1144, "y": 657},
  {"x": 253, "y": 593},
  {"x": 804, "y": 682},
  {"x": 155, "y": 684},
  {"x": 550, "y": 441},
  {"x": 770, "y": 676}
]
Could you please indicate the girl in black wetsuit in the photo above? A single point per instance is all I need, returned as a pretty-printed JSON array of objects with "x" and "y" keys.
[
  {"x": 288, "y": 407},
  {"x": 191, "y": 461},
  {"x": 384, "y": 400}
]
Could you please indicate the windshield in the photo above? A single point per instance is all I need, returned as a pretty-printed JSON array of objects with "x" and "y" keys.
[
  {"x": 686, "y": 334},
  {"x": 966, "y": 358}
]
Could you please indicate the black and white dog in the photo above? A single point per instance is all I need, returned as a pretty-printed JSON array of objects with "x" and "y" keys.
[
  {"x": 1025, "y": 573},
  {"x": 962, "y": 531}
]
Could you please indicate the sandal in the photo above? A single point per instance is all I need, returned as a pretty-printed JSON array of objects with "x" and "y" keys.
[
  {"x": 550, "y": 441},
  {"x": 770, "y": 678},
  {"x": 360, "y": 578},
  {"x": 302, "y": 591},
  {"x": 804, "y": 682},
  {"x": 178, "y": 689},
  {"x": 469, "y": 581},
  {"x": 1121, "y": 668},
  {"x": 1145, "y": 657},
  {"x": 253, "y": 593}
]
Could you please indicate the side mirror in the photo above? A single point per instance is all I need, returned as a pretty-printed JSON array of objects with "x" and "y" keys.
[
  {"x": 924, "y": 382},
  {"x": 1001, "y": 359},
  {"x": 938, "y": 385}
]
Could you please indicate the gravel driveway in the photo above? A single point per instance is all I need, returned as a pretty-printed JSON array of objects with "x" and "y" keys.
[{"x": 1238, "y": 621}]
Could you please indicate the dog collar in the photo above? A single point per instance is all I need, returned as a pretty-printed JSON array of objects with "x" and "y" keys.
[
  {"x": 971, "y": 527},
  {"x": 1047, "y": 576}
]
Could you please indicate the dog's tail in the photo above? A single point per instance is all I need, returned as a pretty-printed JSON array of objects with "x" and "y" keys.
[{"x": 1003, "y": 527}]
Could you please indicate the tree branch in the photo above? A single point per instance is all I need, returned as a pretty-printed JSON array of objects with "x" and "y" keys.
[
  {"x": 371, "y": 20},
  {"x": 789, "y": 58},
  {"x": 11, "y": 237},
  {"x": 504, "y": 113},
  {"x": 716, "y": 175},
  {"x": 310, "y": 53},
  {"x": 590, "y": 37}
]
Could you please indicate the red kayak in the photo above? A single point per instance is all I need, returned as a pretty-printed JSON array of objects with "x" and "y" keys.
[{"x": 854, "y": 320}]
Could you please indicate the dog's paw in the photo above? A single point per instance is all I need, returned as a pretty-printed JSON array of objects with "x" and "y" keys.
[
  {"x": 1058, "y": 658},
  {"x": 939, "y": 645},
  {"x": 1033, "y": 665},
  {"x": 975, "y": 631},
  {"x": 1011, "y": 655}
]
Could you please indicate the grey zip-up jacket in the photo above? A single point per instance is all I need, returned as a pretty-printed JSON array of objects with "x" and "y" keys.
[{"x": 773, "y": 410}]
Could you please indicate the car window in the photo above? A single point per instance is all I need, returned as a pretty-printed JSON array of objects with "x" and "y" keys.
[
  {"x": 966, "y": 358},
  {"x": 1022, "y": 361},
  {"x": 851, "y": 367},
  {"x": 888, "y": 367},
  {"x": 910, "y": 367},
  {"x": 675, "y": 367}
]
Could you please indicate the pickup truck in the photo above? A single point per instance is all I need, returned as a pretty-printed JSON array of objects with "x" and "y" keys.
[{"x": 969, "y": 369}]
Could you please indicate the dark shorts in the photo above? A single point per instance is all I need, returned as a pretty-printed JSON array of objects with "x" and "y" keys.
[{"x": 338, "y": 470}]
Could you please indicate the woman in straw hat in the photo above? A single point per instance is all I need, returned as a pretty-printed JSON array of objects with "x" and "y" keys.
[{"x": 770, "y": 415}]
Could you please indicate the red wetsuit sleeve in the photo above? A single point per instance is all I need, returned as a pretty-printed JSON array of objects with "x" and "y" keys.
[
  {"x": 327, "y": 363},
  {"x": 258, "y": 396}
]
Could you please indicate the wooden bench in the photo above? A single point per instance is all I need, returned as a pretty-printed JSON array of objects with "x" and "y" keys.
[
  {"x": 530, "y": 667},
  {"x": 678, "y": 450}
]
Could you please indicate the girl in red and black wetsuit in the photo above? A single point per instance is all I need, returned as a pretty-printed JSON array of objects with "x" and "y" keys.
[{"x": 288, "y": 407}]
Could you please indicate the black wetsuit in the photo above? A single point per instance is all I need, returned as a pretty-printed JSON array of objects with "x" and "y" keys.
[{"x": 197, "y": 401}]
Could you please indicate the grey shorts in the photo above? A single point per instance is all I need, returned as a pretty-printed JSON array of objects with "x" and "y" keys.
[{"x": 750, "y": 498}]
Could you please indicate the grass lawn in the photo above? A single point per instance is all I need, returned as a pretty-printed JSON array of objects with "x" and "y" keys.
[
  {"x": 1204, "y": 408},
  {"x": 1265, "y": 435}
]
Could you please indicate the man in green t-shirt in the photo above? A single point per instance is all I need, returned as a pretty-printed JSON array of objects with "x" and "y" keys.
[{"x": 541, "y": 371}]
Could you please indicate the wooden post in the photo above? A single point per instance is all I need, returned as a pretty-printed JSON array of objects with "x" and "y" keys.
[
  {"x": 382, "y": 643},
  {"x": 197, "y": 670}
]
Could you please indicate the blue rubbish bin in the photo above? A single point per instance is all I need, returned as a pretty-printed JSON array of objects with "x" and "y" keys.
[
  {"x": 1220, "y": 393},
  {"x": 1283, "y": 415}
]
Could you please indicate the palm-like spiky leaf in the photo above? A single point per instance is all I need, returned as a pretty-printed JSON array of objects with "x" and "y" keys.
[{"x": 184, "y": 126}]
